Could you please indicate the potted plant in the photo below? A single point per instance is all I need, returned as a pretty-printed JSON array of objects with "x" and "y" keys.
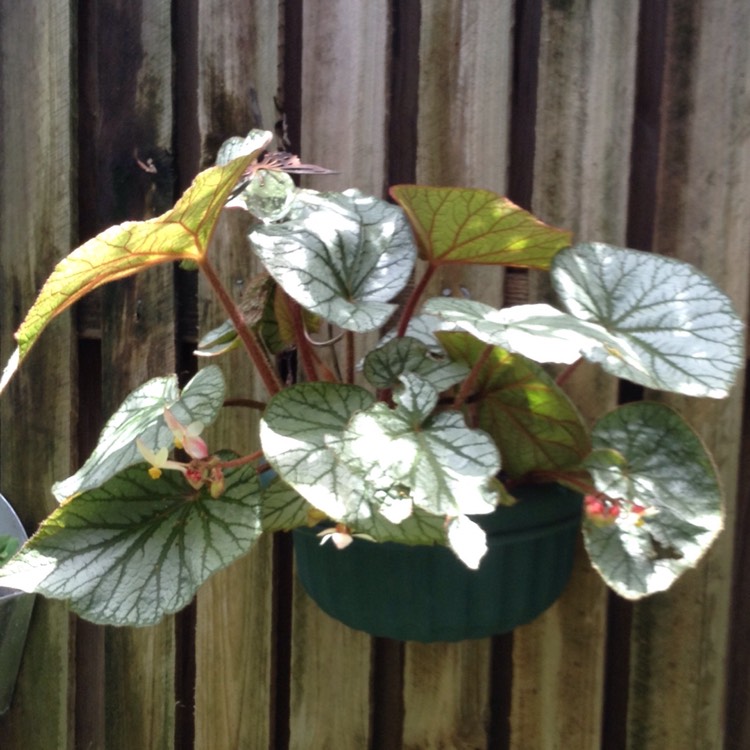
[
  {"x": 441, "y": 439},
  {"x": 15, "y": 607}
]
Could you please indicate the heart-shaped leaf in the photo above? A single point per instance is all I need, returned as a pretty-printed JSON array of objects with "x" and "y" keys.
[
  {"x": 539, "y": 332},
  {"x": 384, "y": 365},
  {"x": 533, "y": 423},
  {"x": 411, "y": 456},
  {"x": 650, "y": 466},
  {"x": 137, "y": 549},
  {"x": 297, "y": 430},
  {"x": 182, "y": 233},
  {"x": 141, "y": 416},
  {"x": 342, "y": 256},
  {"x": 467, "y": 225},
  {"x": 668, "y": 326}
]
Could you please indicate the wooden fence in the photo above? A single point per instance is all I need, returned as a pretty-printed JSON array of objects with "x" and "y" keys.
[{"x": 626, "y": 121}]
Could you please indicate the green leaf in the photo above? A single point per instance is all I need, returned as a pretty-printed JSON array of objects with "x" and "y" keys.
[
  {"x": 182, "y": 233},
  {"x": 533, "y": 423},
  {"x": 8, "y": 546},
  {"x": 141, "y": 416},
  {"x": 412, "y": 457},
  {"x": 384, "y": 365},
  {"x": 645, "y": 454},
  {"x": 137, "y": 549},
  {"x": 468, "y": 225},
  {"x": 284, "y": 508},
  {"x": 539, "y": 332},
  {"x": 419, "y": 528},
  {"x": 268, "y": 195},
  {"x": 661, "y": 322},
  {"x": 297, "y": 431},
  {"x": 342, "y": 256},
  {"x": 237, "y": 146},
  {"x": 217, "y": 341}
]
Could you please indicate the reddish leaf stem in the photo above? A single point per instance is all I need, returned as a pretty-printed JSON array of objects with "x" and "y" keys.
[
  {"x": 255, "y": 351},
  {"x": 413, "y": 301},
  {"x": 300, "y": 336},
  {"x": 468, "y": 385},
  {"x": 568, "y": 371}
]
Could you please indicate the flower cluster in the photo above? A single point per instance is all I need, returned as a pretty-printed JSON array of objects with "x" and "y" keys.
[
  {"x": 602, "y": 510},
  {"x": 202, "y": 469}
]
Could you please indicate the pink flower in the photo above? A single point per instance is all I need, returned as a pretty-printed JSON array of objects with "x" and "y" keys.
[
  {"x": 339, "y": 535},
  {"x": 187, "y": 438}
]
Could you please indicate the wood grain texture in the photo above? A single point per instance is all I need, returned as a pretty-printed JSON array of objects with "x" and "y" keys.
[
  {"x": 130, "y": 94},
  {"x": 462, "y": 137},
  {"x": 234, "y": 628},
  {"x": 702, "y": 216},
  {"x": 37, "y": 215},
  {"x": 585, "y": 98},
  {"x": 237, "y": 79},
  {"x": 343, "y": 124}
]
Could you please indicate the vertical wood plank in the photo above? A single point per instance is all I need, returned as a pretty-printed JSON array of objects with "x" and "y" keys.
[
  {"x": 37, "y": 217},
  {"x": 462, "y": 139},
  {"x": 343, "y": 126},
  {"x": 237, "y": 68},
  {"x": 702, "y": 216},
  {"x": 585, "y": 101},
  {"x": 126, "y": 84}
]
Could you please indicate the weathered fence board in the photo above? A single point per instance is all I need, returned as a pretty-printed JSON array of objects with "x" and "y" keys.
[
  {"x": 462, "y": 139},
  {"x": 37, "y": 216},
  {"x": 125, "y": 110},
  {"x": 343, "y": 127},
  {"x": 584, "y": 102},
  {"x": 625, "y": 122},
  {"x": 237, "y": 67},
  {"x": 680, "y": 638}
]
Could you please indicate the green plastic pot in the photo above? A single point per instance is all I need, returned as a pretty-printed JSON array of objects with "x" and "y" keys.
[
  {"x": 425, "y": 593},
  {"x": 15, "y": 614}
]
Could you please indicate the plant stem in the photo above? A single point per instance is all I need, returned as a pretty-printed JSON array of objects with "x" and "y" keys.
[
  {"x": 468, "y": 385},
  {"x": 349, "y": 356},
  {"x": 250, "y": 403},
  {"x": 413, "y": 301},
  {"x": 568, "y": 371},
  {"x": 255, "y": 351},
  {"x": 300, "y": 336},
  {"x": 242, "y": 460}
]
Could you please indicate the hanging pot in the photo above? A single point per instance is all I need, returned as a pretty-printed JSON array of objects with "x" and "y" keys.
[
  {"x": 425, "y": 593},
  {"x": 15, "y": 614}
]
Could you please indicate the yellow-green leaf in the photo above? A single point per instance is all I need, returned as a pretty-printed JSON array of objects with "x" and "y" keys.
[
  {"x": 182, "y": 233},
  {"x": 469, "y": 225}
]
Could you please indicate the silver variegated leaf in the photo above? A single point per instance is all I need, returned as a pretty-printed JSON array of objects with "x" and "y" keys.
[
  {"x": 342, "y": 256},
  {"x": 649, "y": 461},
  {"x": 141, "y": 416}
]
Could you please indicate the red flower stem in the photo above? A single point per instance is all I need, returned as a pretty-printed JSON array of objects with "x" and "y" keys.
[
  {"x": 413, "y": 301},
  {"x": 255, "y": 351},
  {"x": 242, "y": 460},
  {"x": 468, "y": 385},
  {"x": 568, "y": 371}
]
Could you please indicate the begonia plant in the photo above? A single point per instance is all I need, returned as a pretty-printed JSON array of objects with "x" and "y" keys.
[{"x": 454, "y": 406}]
